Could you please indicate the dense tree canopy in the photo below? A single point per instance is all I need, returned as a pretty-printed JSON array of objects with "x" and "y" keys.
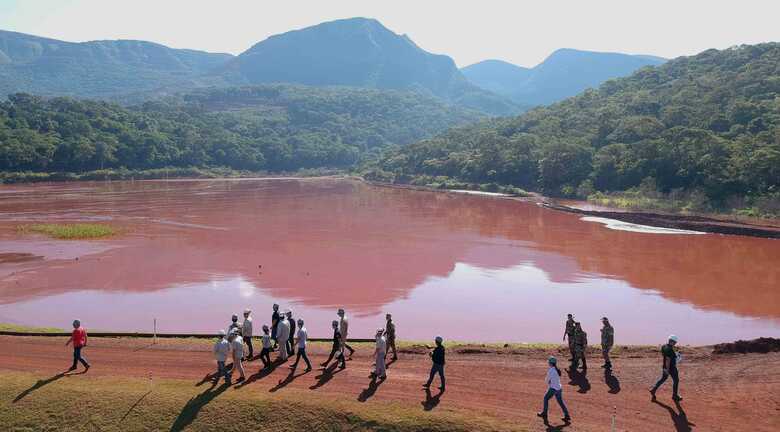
[
  {"x": 709, "y": 123},
  {"x": 274, "y": 127}
]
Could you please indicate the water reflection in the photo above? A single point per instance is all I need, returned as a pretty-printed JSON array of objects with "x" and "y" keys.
[{"x": 328, "y": 243}]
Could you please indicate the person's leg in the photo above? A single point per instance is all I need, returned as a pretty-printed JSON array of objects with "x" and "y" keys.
[
  {"x": 675, "y": 382},
  {"x": 240, "y": 364},
  {"x": 297, "y": 358},
  {"x": 559, "y": 398},
  {"x": 76, "y": 357},
  {"x": 660, "y": 382},
  {"x": 302, "y": 351},
  {"x": 83, "y": 359},
  {"x": 380, "y": 366},
  {"x": 430, "y": 377},
  {"x": 571, "y": 348},
  {"x": 584, "y": 360},
  {"x": 250, "y": 347},
  {"x": 267, "y": 359},
  {"x": 342, "y": 360},
  {"x": 440, "y": 369},
  {"x": 546, "y": 401},
  {"x": 333, "y": 352},
  {"x": 351, "y": 351}
]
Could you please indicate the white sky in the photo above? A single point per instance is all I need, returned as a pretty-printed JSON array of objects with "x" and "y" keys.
[{"x": 523, "y": 32}]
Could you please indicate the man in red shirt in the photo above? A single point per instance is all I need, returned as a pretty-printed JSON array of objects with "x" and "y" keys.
[{"x": 79, "y": 339}]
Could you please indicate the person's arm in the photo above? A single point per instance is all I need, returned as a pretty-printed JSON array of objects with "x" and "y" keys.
[
  {"x": 70, "y": 339},
  {"x": 85, "y": 338},
  {"x": 564, "y": 333}
]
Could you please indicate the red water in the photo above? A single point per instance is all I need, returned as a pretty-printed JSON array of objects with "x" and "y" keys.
[{"x": 467, "y": 267}]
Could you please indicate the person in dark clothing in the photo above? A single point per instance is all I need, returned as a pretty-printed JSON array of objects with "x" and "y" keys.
[
  {"x": 274, "y": 321},
  {"x": 437, "y": 357},
  {"x": 336, "y": 350},
  {"x": 300, "y": 338},
  {"x": 669, "y": 356},
  {"x": 290, "y": 340},
  {"x": 264, "y": 353}
]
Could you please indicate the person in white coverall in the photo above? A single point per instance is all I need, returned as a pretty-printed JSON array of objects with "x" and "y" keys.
[
  {"x": 282, "y": 334},
  {"x": 379, "y": 353},
  {"x": 237, "y": 344},
  {"x": 221, "y": 351}
]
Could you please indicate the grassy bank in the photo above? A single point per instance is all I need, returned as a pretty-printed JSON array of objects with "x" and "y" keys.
[
  {"x": 151, "y": 174},
  {"x": 76, "y": 231},
  {"x": 81, "y": 403},
  {"x": 28, "y": 329}
]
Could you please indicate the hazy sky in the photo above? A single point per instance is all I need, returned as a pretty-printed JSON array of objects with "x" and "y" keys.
[{"x": 520, "y": 31}]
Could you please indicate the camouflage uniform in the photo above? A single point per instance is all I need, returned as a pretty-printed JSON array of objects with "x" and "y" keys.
[
  {"x": 580, "y": 344},
  {"x": 390, "y": 336},
  {"x": 570, "y": 336},
  {"x": 607, "y": 340}
]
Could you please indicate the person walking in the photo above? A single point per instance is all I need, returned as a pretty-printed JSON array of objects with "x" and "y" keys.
[
  {"x": 79, "y": 340},
  {"x": 568, "y": 332},
  {"x": 670, "y": 357},
  {"x": 264, "y": 353},
  {"x": 300, "y": 340},
  {"x": 607, "y": 340},
  {"x": 390, "y": 336},
  {"x": 554, "y": 388},
  {"x": 221, "y": 351},
  {"x": 336, "y": 348},
  {"x": 437, "y": 357},
  {"x": 246, "y": 333},
  {"x": 282, "y": 334},
  {"x": 580, "y": 346},
  {"x": 274, "y": 324},
  {"x": 237, "y": 345},
  {"x": 379, "y": 355},
  {"x": 290, "y": 340},
  {"x": 344, "y": 329}
]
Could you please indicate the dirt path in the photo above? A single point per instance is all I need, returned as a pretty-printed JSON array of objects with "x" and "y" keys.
[{"x": 722, "y": 392}]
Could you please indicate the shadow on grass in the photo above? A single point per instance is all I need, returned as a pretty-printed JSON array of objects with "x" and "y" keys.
[
  {"x": 37, "y": 385},
  {"x": 326, "y": 375},
  {"x": 214, "y": 377},
  {"x": 612, "y": 381},
  {"x": 579, "y": 379},
  {"x": 134, "y": 405},
  {"x": 679, "y": 418},
  {"x": 373, "y": 385},
  {"x": 430, "y": 401},
  {"x": 190, "y": 411}
]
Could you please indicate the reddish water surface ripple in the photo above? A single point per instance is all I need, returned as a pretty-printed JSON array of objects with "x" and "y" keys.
[{"x": 468, "y": 267}]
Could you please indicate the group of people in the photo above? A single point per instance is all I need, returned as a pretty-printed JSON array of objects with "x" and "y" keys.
[{"x": 289, "y": 337}]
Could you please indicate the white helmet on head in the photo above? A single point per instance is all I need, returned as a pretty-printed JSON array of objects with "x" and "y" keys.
[
  {"x": 247, "y": 311},
  {"x": 673, "y": 338},
  {"x": 221, "y": 333}
]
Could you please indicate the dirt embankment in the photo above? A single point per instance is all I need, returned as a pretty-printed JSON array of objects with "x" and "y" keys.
[
  {"x": 684, "y": 222},
  {"x": 494, "y": 388}
]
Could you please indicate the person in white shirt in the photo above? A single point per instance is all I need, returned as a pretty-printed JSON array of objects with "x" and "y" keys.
[
  {"x": 282, "y": 334},
  {"x": 237, "y": 344},
  {"x": 553, "y": 381},
  {"x": 246, "y": 334},
  {"x": 379, "y": 353},
  {"x": 264, "y": 354},
  {"x": 221, "y": 351},
  {"x": 301, "y": 342},
  {"x": 344, "y": 329}
]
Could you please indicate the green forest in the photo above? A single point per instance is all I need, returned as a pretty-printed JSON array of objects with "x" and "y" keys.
[
  {"x": 271, "y": 128},
  {"x": 704, "y": 130}
]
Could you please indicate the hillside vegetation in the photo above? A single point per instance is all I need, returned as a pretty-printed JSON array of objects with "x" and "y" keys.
[
  {"x": 273, "y": 127},
  {"x": 703, "y": 129}
]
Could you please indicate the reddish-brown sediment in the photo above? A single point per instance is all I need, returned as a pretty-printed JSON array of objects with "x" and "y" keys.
[
  {"x": 321, "y": 244},
  {"x": 721, "y": 392}
]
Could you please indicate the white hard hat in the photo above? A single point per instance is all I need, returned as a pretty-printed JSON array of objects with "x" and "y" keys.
[
  {"x": 380, "y": 331},
  {"x": 234, "y": 317},
  {"x": 221, "y": 332},
  {"x": 234, "y": 331},
  {"x": 265, "y": 327},
  {"x": 247, "y": 311},
  {"x": 673, "y": 338}
]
